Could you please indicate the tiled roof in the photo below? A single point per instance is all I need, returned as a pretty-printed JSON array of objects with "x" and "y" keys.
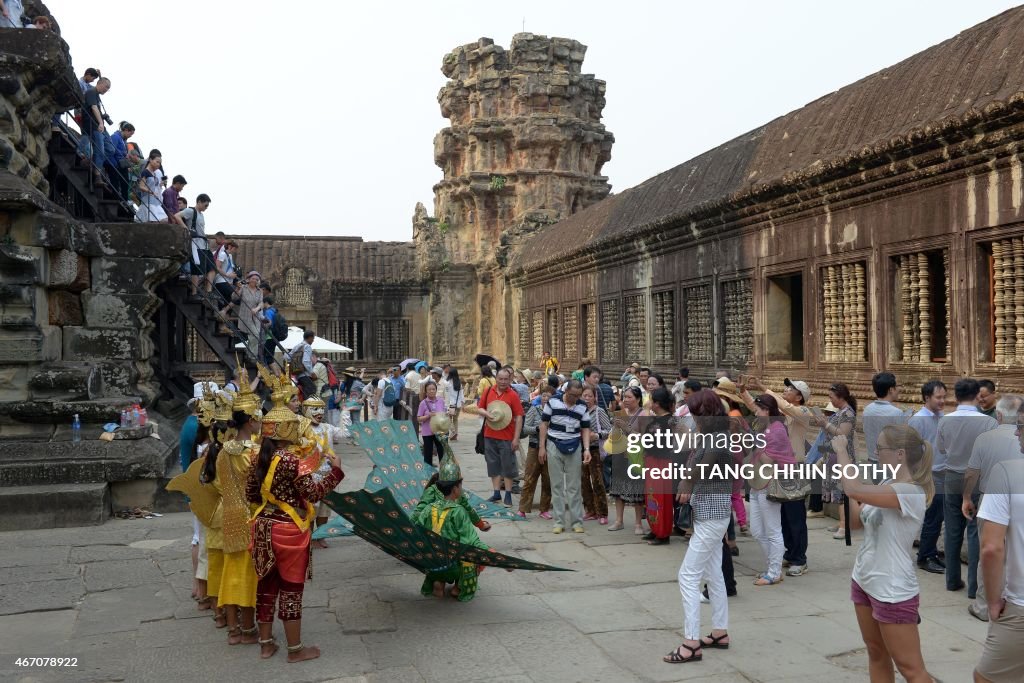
[
  {"x": 330, "y": 258},
  {"x": 939, "y": 87}
]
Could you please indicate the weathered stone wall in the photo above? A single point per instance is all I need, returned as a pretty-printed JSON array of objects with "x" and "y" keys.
[
  {"x": 525, "y": 148},
  {"x": 76, "y": 317}
]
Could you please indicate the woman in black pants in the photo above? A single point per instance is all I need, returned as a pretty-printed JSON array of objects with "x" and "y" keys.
[{"x": 431, "y": 405}]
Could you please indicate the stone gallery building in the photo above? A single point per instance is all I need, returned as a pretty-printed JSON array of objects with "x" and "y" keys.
[{"x": 877, "y": 227}]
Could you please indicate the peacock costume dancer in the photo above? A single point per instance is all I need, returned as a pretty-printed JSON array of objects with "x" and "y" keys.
[
  {"x": 444, "y": 510},
  {"x": 323, "y": 435},
  {"x": 284, "y": 493}
]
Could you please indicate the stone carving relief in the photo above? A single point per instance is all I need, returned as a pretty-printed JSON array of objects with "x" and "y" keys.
[
  {"x": 590, "y": 331},
  {"x": 636, "y": 328},
  {"x": 570, "y": 332}
]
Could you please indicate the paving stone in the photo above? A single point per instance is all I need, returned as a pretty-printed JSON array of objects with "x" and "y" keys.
[
  {"x": 105, "y": 553},
  {"x": 398, "y": 674},
  {"x": 28, "y": 557},
  {"x": 40, "y": 596},
  {"x": 124, "y": 609},
  {"x": 498, "y": 609},
  {"x": 35, "y": 633},
  {"x": 602, "y": 609},
  {"x": 557, "y": 653},
  {"x": 461, "y": 644},
  {"x": 101, "y": 576},
  {"x": 358, "y": 611},
  {"x": 37, "y": 573}
]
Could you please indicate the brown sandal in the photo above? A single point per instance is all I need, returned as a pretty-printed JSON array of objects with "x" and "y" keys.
[{"x": 715, "y": 642}]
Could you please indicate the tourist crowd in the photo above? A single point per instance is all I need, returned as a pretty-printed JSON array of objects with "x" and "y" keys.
[{"x": 570, "y": 435}]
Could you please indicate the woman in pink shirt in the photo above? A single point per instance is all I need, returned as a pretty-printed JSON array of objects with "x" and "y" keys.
[
  {"x": 432, "y": 404},
  {"x": 766, "y": 515}
]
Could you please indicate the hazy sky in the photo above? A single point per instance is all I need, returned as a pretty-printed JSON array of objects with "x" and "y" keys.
[{"x": 321, "y": 121}]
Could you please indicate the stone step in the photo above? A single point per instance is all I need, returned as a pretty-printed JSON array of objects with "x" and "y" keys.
[{"x": 53, "y": 505}]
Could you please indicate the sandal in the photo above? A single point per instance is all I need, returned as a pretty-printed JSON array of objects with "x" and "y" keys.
[
  {"x": 715, "y": 642},
  {"x": 220, "y": 619},
  {"x": 765, "y": 580},
  {"x": 615, "y": 527},
  {"x": 658, "y": 541},
  {"x": 204, "y": 603},
  {"x": 675, "y": 657}
]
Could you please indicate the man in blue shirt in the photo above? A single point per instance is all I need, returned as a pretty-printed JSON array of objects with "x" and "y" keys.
[
  {"x": 926, "y": 422},
  {"x": 881, "y": 412}
]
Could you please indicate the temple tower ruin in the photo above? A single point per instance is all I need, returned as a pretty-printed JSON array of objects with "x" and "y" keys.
[{"x": 524, "y": 149}]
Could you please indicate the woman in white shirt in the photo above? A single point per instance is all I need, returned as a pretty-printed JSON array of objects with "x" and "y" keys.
[
  {"x": 454, "y": 397},
  {"x": 884, "y": 586}
]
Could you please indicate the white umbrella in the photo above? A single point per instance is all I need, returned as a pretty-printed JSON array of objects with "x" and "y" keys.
[{"x": 320, "y": 345}]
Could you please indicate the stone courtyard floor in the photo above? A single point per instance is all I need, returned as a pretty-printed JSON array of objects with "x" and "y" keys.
[{"x": 117, "y": 598}]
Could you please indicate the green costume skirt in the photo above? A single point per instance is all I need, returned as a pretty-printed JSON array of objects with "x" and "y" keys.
[{"x": 464, "y": 576}]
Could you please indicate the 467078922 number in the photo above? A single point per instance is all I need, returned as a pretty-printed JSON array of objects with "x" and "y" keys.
[{"x": 46, "y": 661}]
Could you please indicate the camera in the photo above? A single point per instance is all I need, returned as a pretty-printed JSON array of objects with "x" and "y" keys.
[{"x": 109, "y": 121}]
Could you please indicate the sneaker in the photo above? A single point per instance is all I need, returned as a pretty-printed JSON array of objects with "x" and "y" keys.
[
  {"x": 977, "y": 614},
  {"x": 557, "y": 529},
  {"x": 797, "y": 570},
  {"x": 521, "y": 514},
  {"x": 577, "y": 528},
  {"x": 508, "y": 500},
  {"x": 545, "y": 515},
  {"x": 786, "y": 563},
  {"x": 816, "y": 514},
  {"x": 515, "y": 489},
  {"x": 744, "y": 529},
  {"x": 496, "y": 498}
]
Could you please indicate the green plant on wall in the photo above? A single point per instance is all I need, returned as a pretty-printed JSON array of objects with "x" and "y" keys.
[
  {"x": 497, "y": 182},
  {"x": 443, "y": 226}
]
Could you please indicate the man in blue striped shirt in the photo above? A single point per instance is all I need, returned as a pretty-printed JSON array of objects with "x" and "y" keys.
[{"x": 565, "y": 427}]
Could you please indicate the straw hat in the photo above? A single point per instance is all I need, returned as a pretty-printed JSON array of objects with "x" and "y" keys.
[
  {"x": 504, "y": 415},
  {"x": 726, "y": 388},
  {"x": 616, "y": 442},
  {"x": 440, "y": 424},
  {"x": 830, "y": 408}
]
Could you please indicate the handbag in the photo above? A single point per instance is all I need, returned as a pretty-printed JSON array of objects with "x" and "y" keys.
[
  {"x": 479, "y": 447},
  {"x": 787, "y": 490}
]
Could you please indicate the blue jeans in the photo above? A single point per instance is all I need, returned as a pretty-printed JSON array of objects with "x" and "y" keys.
[
  {"x": 932, "y": 522},
  {"x": 956, "y": 526}
]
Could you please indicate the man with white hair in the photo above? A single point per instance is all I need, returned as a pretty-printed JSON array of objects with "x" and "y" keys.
[{"x": 990, "y": 449}]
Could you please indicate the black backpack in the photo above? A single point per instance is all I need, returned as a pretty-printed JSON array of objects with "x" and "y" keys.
[{"x": 279, "y": 327}]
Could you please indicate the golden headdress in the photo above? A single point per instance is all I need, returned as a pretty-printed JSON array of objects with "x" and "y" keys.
[
  {"x": 207, "y": 405},
  {"x": 280, "y": 424},
  {"x": 314, "y": 401},
  {"x": 223, "y": 401},
  {"x": 246, "y": 400}
]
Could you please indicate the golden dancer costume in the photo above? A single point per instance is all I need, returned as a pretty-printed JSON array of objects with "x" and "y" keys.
[
  {"x": 283, "y": 490},
  {"x": 238, "y": 578}
]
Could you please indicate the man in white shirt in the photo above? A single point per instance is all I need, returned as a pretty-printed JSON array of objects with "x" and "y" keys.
[
  {"x": 957, "y": 433},
  {"x": 1002, "y": 563},
  {"x": 990, "y": 449},
  {"x": 926, "y": 423}
]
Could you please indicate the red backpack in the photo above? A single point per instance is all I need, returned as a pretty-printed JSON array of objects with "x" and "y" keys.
[{"x": 332, "y": 376}]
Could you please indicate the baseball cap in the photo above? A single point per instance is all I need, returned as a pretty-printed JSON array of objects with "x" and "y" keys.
[{"x": 802, "y": 387}]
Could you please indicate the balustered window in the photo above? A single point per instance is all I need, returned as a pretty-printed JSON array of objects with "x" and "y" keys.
[
  {"x": 538, "y": 334},
  {"x": 698, "y": 323},
  {"x": 345, "y": 332},
  {"x": 635, "y": 328},
  {"x": 524, "y": 339},
  {"x": 570, "y": 333},
  {"x": 921, "y": 307},
  {"x": 664, "y": 325},
  {"x": 590, "y": 332},
  {"x": 844, "y": 312},
  {"x": 610, "y": 331},
  {"x": 737, "y": 320},
  {"x": 554, "y": 332},
  {"x": 392, "y": 339},
  {"x": 1002, "y": 275},
  {"x": 784, "y": 317}
]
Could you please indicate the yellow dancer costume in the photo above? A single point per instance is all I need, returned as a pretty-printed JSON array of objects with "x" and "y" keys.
[
  {"x": 215, "y": 532},
  {"x": 238, "y": 579}
]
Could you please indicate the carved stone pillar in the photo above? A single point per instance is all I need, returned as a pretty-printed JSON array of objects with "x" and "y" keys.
[
  {"x": 924, "y": 311},
  {"x": 636, "y": 328},
  {"x": 698, "y": 323},
  {"x": 999, "y": 305},
  {"x": 570, "y": 333}
]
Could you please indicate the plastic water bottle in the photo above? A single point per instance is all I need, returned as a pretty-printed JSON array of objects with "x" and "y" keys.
[
  {"x": 124, "y": 419},
  {"x": 76, "y": 430},
  {"x": 135, "y": 416},
  {"x": 143, "y": 416}
]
